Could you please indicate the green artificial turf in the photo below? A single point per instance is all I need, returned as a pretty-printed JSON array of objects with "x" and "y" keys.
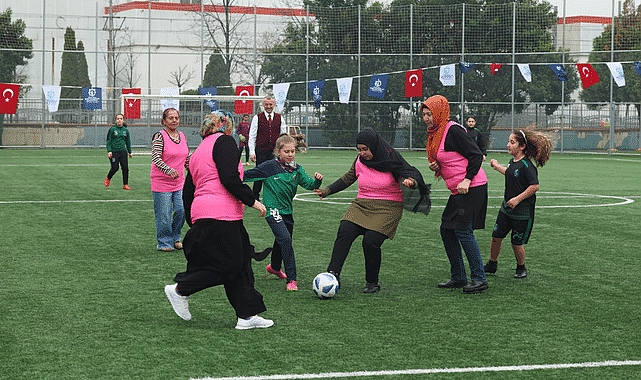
[{"x": 82, "y": 283}]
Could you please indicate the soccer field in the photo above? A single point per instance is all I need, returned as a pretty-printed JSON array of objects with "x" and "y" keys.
[{"x": 82, "y": 283}]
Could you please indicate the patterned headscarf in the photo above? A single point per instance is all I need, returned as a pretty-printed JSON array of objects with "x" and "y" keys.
[{"x": 216, "y": 122}]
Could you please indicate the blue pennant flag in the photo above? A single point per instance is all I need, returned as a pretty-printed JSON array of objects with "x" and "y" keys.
[
  {"x": 559, "y": 71},
  {"x": 377, "y": 86},
  {"x": 92, "y": 98},
  {"x": 465, "y": 66},
  {"x": 212, "y": 104},
  {"x": 637, "y": 67},
  {"x": 316, "y": 88}
]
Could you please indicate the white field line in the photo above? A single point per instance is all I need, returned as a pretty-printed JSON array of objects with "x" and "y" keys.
[
  {"x": 618, "y": 201},
  {"x": 330, "y": 375},
  {"x": 312, "y": 198}
]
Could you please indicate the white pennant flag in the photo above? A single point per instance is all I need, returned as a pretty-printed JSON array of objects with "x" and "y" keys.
[
  {"x": 344, "y": 89},
  {"x": 448, "y": 76},
  {"x": 616, "y": 69},
  {"x": 52, "y": 95},
  {"x": 169, "y": 103},
  {"x": 524, "y": 68},
  {"x": 280, "y": 95}
]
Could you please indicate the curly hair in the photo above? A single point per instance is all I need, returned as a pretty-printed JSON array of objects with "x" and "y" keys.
[
  {"x": 538, "y": 146},
  {"x": 216, "y": 122}
]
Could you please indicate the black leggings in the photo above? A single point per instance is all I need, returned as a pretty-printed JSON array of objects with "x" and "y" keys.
[
  {"x": 119, "y": 158},
  {"x": 372, "y": 241}
]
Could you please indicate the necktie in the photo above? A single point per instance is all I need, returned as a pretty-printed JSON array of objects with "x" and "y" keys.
[{"x": 269, "y": 118}]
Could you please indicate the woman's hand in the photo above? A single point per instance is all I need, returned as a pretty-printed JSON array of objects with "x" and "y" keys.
[
  {"x": 409, "y": 182},
  {"x": 434, "y": 166},
  {"x": 174, "y": 174},
  {"x": 464, "y": 186},
  {"x": 318, "y": 176},
  {"x": 322, "y": 193},
  {"x": 260, "y": 207}
]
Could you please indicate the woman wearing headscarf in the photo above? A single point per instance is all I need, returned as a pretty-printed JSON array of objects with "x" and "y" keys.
[
  {"x": 375, "y": 213},
  {"x": 217, "y": 246},
  {"x": 454, "y": 156}
]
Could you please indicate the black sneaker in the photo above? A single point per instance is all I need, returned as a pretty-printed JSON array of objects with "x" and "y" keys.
[
  {"x": 338, "y": 277},
  {"x": 490, "y": 267},
  {"x": 451, "y": 284},
  {"x": 521, "y": 273},
  {"x": 372, "y": 287}
]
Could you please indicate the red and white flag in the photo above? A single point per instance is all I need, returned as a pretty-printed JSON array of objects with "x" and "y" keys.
[
  {"x": 588, "y": 75},
  {"x": 414, "y": 83},
  {"x": 132, "y": 105},
  {"x": 244, "y": 106},
  {"x": 9, "y": 99},
  {"x": 495, "y": 67}
]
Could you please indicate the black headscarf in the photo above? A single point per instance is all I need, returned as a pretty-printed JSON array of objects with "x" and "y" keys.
[{"x": 387, "y": 159}]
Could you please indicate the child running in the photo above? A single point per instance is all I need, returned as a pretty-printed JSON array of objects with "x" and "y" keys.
[
  {"x": 521, "y": 184},
  {"x": 281, "y": 178}
]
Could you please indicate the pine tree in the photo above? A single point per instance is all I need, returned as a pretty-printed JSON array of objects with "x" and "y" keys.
[{"x": 74, "y": 74}]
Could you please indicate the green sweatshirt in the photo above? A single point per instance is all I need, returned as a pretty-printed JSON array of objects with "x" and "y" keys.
[
  {"x": 280, "y": 184},
  {"x": 118, "y": 139}
]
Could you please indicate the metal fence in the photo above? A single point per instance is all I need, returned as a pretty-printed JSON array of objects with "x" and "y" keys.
[{"x": 152, "y": 45}]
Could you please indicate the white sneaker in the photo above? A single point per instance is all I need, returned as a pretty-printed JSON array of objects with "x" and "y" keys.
[
  {"x": 254, "y": 322},
  {"x": 178, "y": 302}
]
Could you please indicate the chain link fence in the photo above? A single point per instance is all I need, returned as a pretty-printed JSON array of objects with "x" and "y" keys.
[{"x": 153, "y": 45}]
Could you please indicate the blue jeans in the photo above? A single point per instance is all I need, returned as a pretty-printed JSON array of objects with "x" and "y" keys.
[
  {"x": 168, "y": 226},
  {"x": 283, "y": 228},
  {"x": 453, "y": 240}
]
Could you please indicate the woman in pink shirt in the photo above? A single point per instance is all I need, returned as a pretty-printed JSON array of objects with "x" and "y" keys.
[
  {"x": 375, "y": 213},
  {"x": 454, "y": 156},
  {"x": 169, "y": 152}
]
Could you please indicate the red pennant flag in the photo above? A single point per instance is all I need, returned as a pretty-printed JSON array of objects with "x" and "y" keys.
[
  {"x": 414, "y": 83},
  {"x": 495, "y": 67},
  {"x": 132, "y": 105},
  {"x": 9, "y": 99},
  {"x": 244, "y": 106},
  {"x": 588, "y": 75}
]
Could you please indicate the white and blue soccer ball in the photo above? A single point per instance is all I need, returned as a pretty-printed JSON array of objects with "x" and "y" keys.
[{"x": 325, "y": 285}]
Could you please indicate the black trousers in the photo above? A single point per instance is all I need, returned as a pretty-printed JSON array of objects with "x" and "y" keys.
[
  {"x": 219, "y": 253},
  {"x": 372, "y": 242},
  {"x": 120, "y": 158},
  {"x": 239, "y": 288},
  {"x": 261, "y": 156},
  {"x": 246, "y": 149}
]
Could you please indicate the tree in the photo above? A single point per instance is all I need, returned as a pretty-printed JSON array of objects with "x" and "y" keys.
[
  {"x": 226, "y": 37},
  {"x": 74, "y": 74},
  {"x": 627, "y": 43},
  {"x": 181, "y": 76},
  {"x": 216, "y": 74},
  {"x": 384, "y": 47},
  {"x": 15, "y": 50}
]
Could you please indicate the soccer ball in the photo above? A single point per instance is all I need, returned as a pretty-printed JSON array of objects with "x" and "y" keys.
[{"x": 325, "y": 285}]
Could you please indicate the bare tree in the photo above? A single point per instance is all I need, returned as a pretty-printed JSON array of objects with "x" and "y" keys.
[
  {"x": 127, "y": 73},
  {"x": 181, "y": 76}
]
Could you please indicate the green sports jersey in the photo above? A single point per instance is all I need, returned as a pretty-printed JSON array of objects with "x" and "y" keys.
[
  {"x": 280, "y": 183},
  {"x": 118, "y": 139}
]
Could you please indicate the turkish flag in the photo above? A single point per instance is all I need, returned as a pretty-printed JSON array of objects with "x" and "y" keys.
[
  {"x": 9, "y": 99},
  {"x": 588, "y": 75},
  {"x": 495, "y": 67},
  {"x": 132, "y": 105},
  {"x": 414, "y": 83},
  {"x": 244, "y": 106}
]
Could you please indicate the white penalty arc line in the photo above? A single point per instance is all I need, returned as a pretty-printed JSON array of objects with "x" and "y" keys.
[
  {"x": 304, "y": 197},
  {"x": 330, "y": 375}
]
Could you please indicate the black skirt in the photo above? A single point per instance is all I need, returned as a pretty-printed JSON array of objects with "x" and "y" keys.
[{"x": 462, "y": 208}]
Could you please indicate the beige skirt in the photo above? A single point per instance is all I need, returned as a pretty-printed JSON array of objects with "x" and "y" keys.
[{"x": 377, "y": 215}]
